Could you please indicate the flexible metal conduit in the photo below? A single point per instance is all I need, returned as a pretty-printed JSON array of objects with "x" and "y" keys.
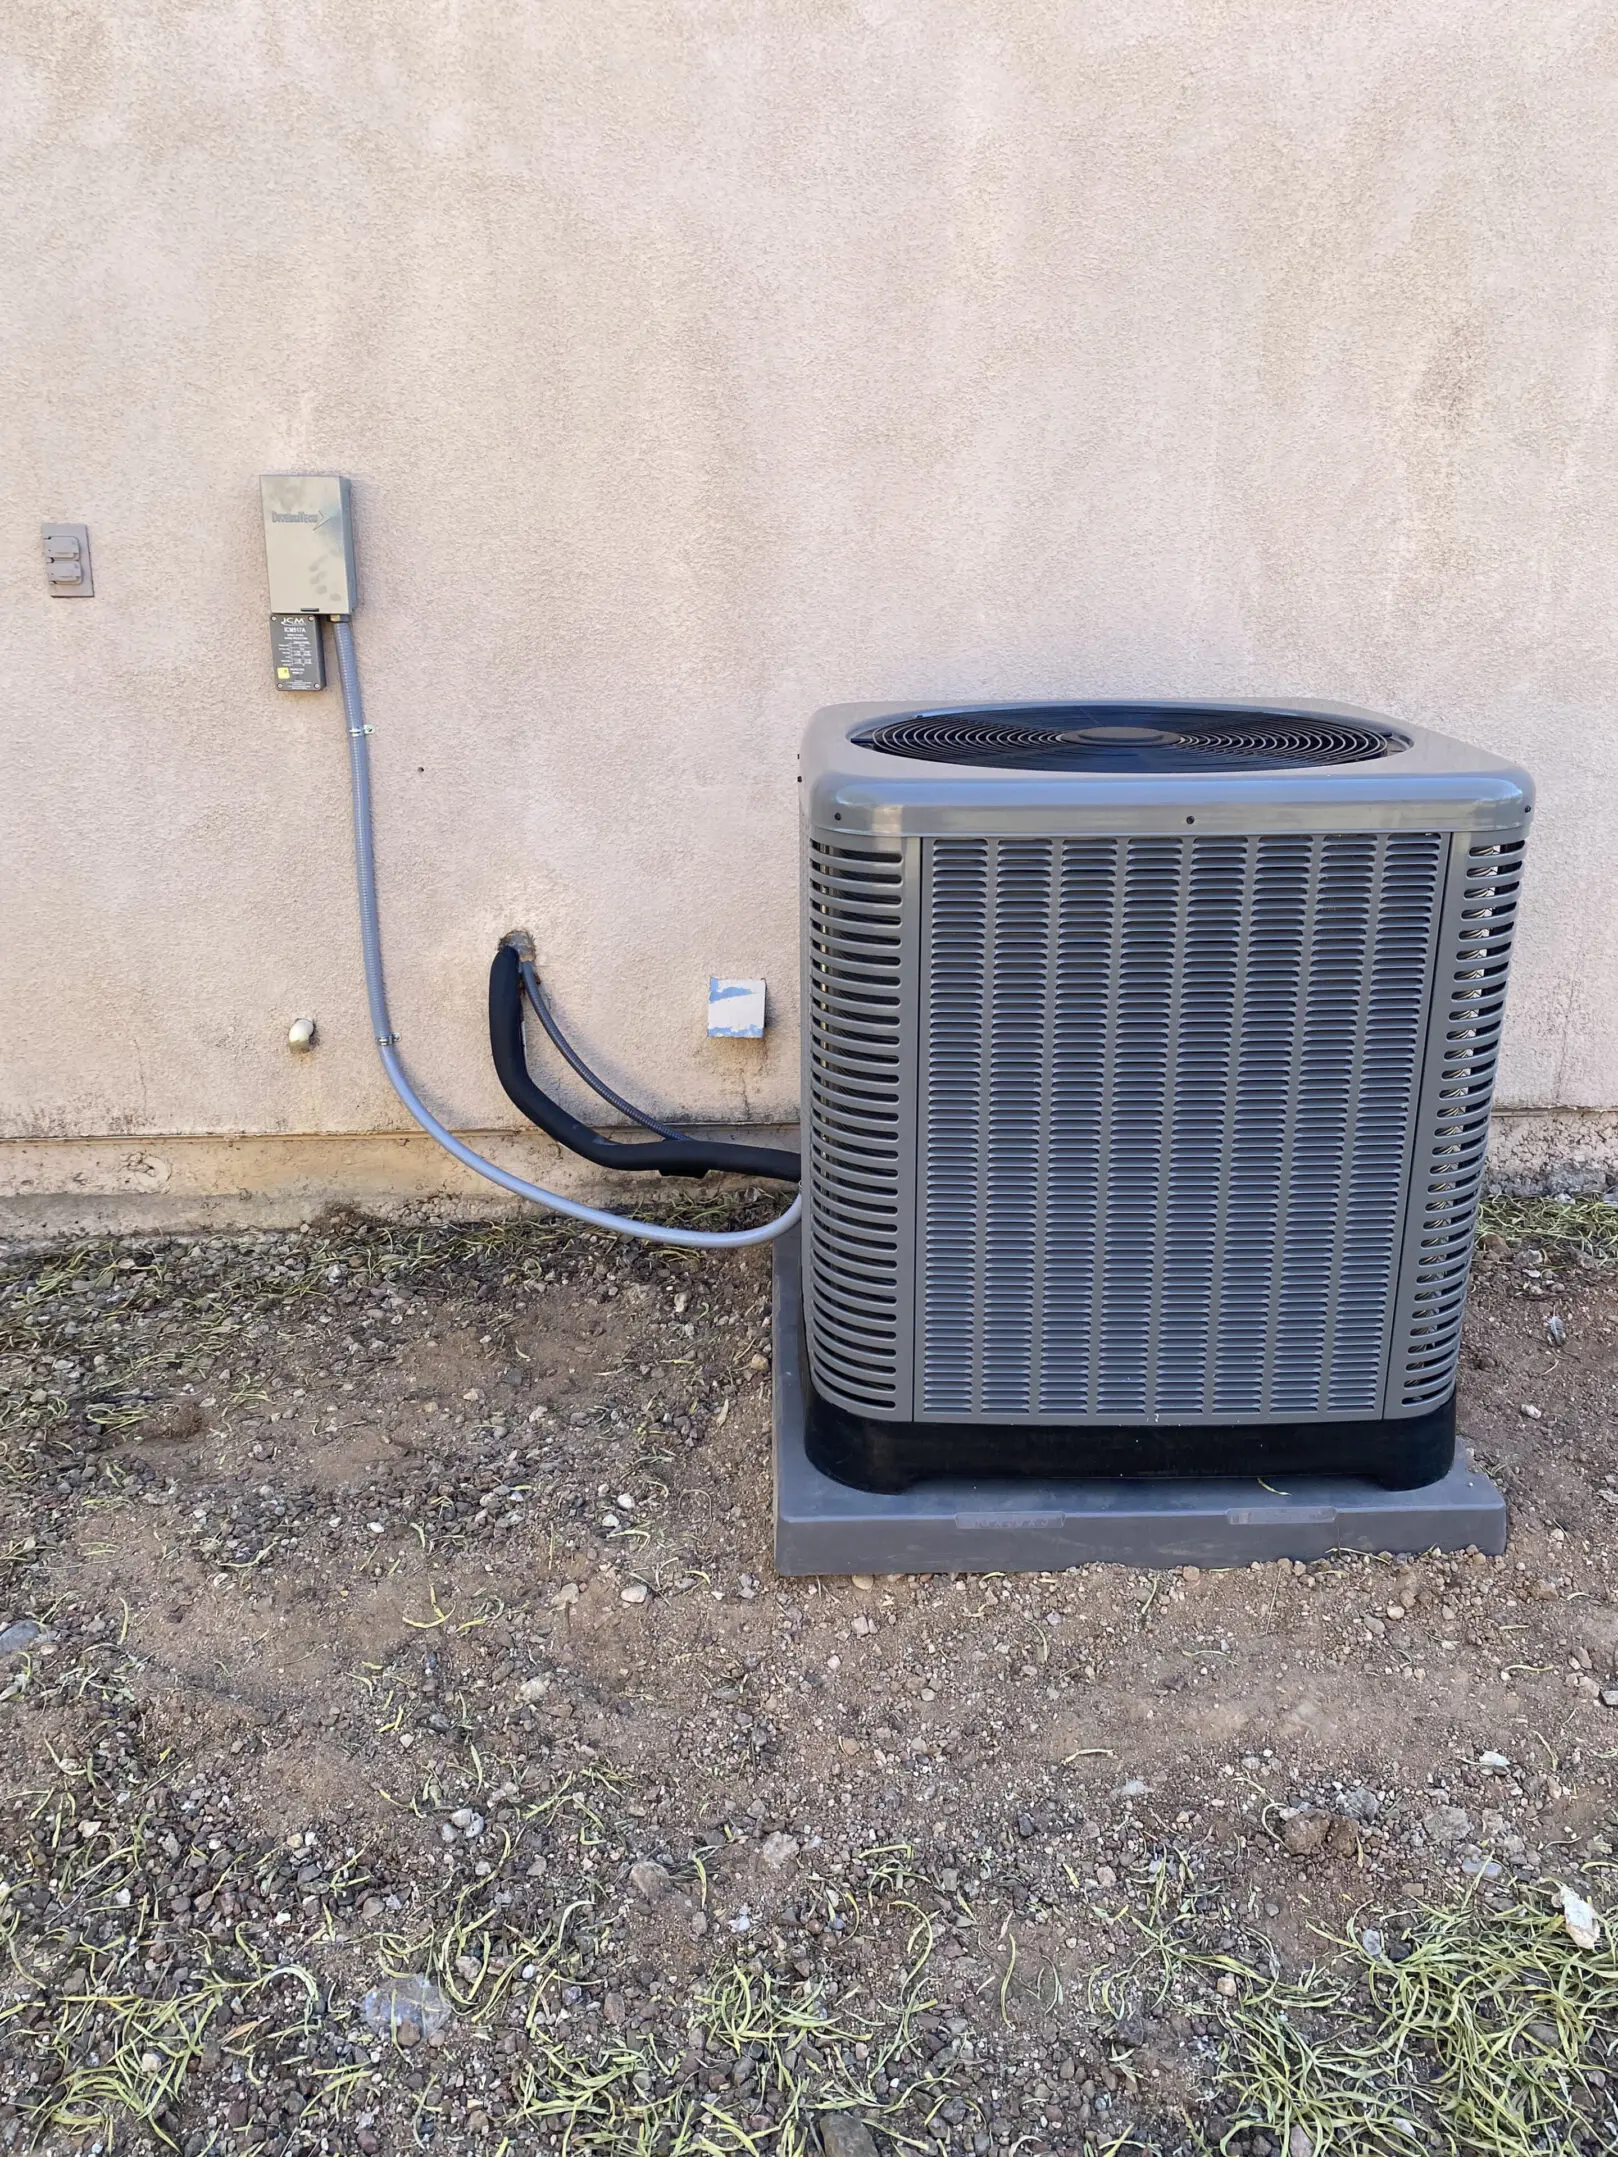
[{"x": 617, "y": 1224}]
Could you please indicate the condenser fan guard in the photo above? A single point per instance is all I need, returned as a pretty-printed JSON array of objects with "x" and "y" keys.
[{"x": 1129, "y": 738}]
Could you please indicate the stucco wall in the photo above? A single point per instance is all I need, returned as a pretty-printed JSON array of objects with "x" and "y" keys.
[{"x": 699, "y": 363}]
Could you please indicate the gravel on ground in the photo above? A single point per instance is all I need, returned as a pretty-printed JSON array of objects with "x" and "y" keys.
[{"x": 406, "y": 1744}]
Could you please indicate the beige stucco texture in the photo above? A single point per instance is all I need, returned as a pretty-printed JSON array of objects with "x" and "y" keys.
[{"x": 697, "y": 363}]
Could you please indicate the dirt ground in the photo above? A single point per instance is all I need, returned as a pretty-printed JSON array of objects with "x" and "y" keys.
[{"x": 384, "y": 1604}]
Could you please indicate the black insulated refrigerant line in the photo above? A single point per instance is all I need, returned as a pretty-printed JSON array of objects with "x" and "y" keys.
[
  {"x": 669, "y": 1156},
  {"x": 564, "y": 1048}
]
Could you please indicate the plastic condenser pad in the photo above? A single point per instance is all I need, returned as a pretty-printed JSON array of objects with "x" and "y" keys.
[{"x": 1040, "y": 1527}]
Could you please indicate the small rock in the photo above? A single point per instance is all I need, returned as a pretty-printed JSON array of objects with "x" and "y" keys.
[
  {"x": 650, "y": 1879},
  {"x": 406, "y": 2009},
  {"x": 1609, "y": 1696},
  {"x": 1027, "y": 1826},
  {"x": 863, "y": 1580},
  {"x": 1555, "y": 1331},
  {"x": 1493, "y": 1763},
  {"x": 1446, "y": 1825},
  {"x": 1305, "y": 1833},
  {"x": 1359, "y": 1804},
  {"x": 636, "y": 1592},
  {"x": 1300, "y": 2143},
  {"x": 1343, "y": 1839},
  {"x": 842, "y": 2135},
  {"x": 1226, "y": 1987},
  {"x": 1134, "y": 1788},
  {"x": 21, "y": 1635},
  {"x": 469, "y": 1822},
  {"x": 1531, "y": 1412},
  {"x": 1583, "y": 1925},
  {"x": 779, "y": 1850}
]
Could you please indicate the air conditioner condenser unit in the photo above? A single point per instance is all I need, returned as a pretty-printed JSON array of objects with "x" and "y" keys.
[{"x": 1148, "y": 1059}]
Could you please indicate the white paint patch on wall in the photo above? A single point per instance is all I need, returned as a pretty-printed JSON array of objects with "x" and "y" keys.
[
  {"x": 698, "y": 365},
  {"x": 735, "y": 1009}
]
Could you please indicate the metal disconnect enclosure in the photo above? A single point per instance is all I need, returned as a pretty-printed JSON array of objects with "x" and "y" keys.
[{"x": 1144, "y": 1098}]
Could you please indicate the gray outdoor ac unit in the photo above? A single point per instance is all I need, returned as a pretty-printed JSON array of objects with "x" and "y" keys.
[{"x": 1148, "y": 1056}]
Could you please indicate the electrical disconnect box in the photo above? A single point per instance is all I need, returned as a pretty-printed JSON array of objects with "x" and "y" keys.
[{"x": 308, "y": 543}]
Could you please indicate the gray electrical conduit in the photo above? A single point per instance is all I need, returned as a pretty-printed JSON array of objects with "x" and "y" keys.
[{"x": 617, "y": 1224}]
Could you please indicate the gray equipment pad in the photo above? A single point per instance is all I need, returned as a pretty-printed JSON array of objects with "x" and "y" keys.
[{"x": 1021, "y": 1526}]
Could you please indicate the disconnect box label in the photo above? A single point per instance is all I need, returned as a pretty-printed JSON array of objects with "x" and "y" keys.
[{"x": 296, "y": 649}]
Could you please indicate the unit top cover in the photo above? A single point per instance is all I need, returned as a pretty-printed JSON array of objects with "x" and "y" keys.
[
  {"x": 1129, "y": 737},
  {"x": 899, "y": 769}
]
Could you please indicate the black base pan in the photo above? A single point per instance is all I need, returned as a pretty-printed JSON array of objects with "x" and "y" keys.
[{"x": 1400, "y": 1454}]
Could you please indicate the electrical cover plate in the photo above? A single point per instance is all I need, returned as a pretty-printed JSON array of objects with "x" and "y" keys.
[
  {"x": 67, "y": 561},
  {"x": 309, "y": 543}
]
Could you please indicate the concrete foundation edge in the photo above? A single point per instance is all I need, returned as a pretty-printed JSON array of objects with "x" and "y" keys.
[
  {"x": 822, "y": 1527},
  {"x": 143, "y": 1184},
  {"x": 51, "y": 1188}
]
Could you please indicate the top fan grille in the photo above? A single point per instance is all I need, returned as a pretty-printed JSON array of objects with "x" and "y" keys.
[{"x": 1142, "y": 738}]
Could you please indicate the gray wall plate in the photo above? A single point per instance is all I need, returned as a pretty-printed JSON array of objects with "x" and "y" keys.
[
  {"x": 1024, "y": 1526},
  {"x": 67, "y": 561}
]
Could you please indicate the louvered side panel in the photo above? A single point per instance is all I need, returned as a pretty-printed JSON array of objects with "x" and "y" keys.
[
  {"x": 1375, "y": 1202},
  {"x": 1167, "y": 1090},
  {"x": 1361, "y": 1005},
  {"x": 859, "y": 1121},
  {"x": 1078, "y": 1041},
  {"x": 1213, "y": 934},
  {"x": 1475, "y": 955},
  {"x": 954, "y": 1024}
]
